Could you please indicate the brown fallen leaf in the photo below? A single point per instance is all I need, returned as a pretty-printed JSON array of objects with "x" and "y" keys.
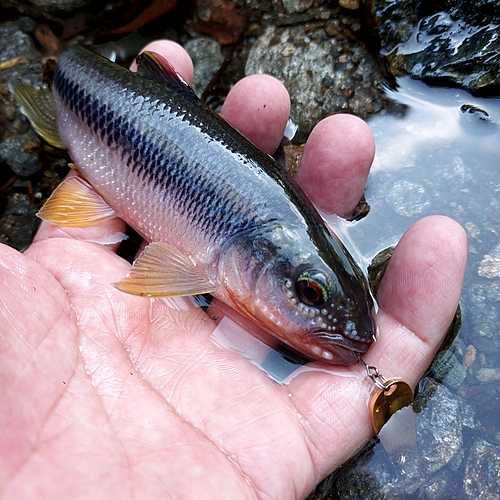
[
  {"x": 47, "y": 39},
  {"x": 153, "y": 11},
  {"x": 220, "y": 19}
]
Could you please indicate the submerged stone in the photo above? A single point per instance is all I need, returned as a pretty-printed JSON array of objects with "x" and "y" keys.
[{"x": 482, "y": 471}]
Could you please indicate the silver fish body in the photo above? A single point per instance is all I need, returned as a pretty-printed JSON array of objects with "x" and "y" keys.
[{"x": 179, "y": 174}]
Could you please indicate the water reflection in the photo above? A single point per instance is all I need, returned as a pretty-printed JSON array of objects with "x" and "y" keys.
[{"x": 438, "y": 152}]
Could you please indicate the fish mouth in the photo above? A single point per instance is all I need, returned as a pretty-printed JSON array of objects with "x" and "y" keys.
[{"x": 335, "y": 348}]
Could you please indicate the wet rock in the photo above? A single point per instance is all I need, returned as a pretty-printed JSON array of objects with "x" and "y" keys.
[
  {"x": 489, "y": 267},
  {"x": 21, "y": 153},
  {"x": 408, "y": 198},
  {"x": 445, "y": 44},
  {"x": 446, "y": 368},
  {"x": 438, "y": 487},
  {"x": 440, "y": 429},
  {"x": 437, "y": 454},
  {"x": 488, "y": 374},
  {"x": 20, "y": 204},
  {"x": 323, "y": 74},
  {"x": 60, "y": 5},
  {"x": 292, "y": 6},
  {"x": 207, "y": 59},
  {"x": 469, "y": 356},
  {"x": 15, "y": 43},
  {"x": 482, "y": 471},
  {"x": 349, "y": 4}
]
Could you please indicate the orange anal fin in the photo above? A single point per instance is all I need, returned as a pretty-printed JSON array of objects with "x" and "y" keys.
[
  {"x": 75, "y": 203},
  {"x": 163, "y": 271}
]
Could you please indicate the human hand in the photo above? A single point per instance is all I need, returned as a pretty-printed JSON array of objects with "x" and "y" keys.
[{"x": 109, "y": 395}]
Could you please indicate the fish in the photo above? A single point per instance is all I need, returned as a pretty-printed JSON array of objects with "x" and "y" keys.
[{"x": 219, "y": 215}]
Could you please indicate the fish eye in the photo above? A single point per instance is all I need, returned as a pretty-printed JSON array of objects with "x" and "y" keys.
[{"x": 313, "y": 287}]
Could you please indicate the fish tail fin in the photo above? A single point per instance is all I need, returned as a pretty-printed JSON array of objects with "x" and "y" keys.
[{"x": 37, "y": 104}]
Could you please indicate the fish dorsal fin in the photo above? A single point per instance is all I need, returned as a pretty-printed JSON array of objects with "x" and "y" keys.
[
  {"x": 75, "y": 203},
  {"x": 37, "y": 104},
  {"x": 163, "y": 271},
  {"x": 152, "y": 64}
]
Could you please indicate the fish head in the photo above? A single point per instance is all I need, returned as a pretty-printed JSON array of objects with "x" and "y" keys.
[{"x": 318, "y": 304}]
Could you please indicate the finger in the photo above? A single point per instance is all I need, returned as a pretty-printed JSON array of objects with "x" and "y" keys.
[
  {"x": 174, "y": 54},
  {"x": 418, "y": 296},
  {"x": 335, "y": 163},
  {"x": 258, "y": 106}
]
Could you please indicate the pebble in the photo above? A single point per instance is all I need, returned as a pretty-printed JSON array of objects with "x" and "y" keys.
[
  {"x": 15, "y": 43},
  {"x": 409, "y": 198},
  {"x": 488, "y": 374},
  {"x": 446, "y": 368},
  {"x": 21, "y": 153},
  {"x": 207, "y": 59},
  {"x": 60, "y": 5},
  {"x": 482, "y": 471},
  {"x": 293, "y": 6},
  {"x": 489, "y": 267},
  {"x": 469, "y": 356}
]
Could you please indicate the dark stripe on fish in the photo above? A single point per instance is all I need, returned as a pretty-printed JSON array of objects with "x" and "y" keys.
[{"x": 159, "y": 165}]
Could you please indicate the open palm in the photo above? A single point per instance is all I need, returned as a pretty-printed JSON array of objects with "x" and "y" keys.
[{"x": 107, "y": 395}]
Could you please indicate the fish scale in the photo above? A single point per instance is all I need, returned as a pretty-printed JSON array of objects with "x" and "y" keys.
[
  {"x": 221, "y": 216},
  {"x": 170, "y": 170}
]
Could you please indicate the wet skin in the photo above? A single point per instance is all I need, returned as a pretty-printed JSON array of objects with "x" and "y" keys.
[{"x": 117, "y": 396}]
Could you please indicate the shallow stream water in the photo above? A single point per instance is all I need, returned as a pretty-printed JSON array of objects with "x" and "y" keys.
[{"x": 438, "y": 154}]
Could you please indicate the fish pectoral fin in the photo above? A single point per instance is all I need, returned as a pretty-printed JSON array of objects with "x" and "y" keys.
[
  {"x": 75, "y": 203},
  {"x": 152, "y": 64},
  {"x": 163, "y": 271},
  {"x": 37, "y": 104}
]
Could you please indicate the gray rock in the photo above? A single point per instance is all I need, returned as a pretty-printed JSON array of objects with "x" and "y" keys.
[
  {"x": 488, "y": 374},
  {"x": 21, "y": 153},
  {"x": 60, "y": 5},
  {"x": 324, "y": 75},
  {"x": 292, "y": 6},
  {"x": 489, "y": 267},
  {"x": 482, "y": 471},
  {"x": 15, "y": 43},
  {"x": 437, "y": 454},
  {"x": 446, "y": 368},
  {"x": 409, "y": 198},
  {"x": 207, "y": 59},
  {"x": 439, "y": 429}
]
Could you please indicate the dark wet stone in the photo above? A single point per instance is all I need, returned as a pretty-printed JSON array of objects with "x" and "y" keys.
[
  {"x": 324, "y": 74},
  {"x": 440, "y": 428},
  {"x": 430, "y": 466},
  {"x": 207, "y": 59},
  {"x": 60, "y": 5},
  {"x": 446, "y": 368},
  {"x": 15, "y": 43},
  {"x": 482, "y": 471},
  {"x": 19, "y": 224},
  {"x": 20, "y": 204},
  {"x": 292, "y": 6},
  {"x": 441, "y": 486},
  {"x": 21, "y": 153},
  {"x": 446, "y": 44}
]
